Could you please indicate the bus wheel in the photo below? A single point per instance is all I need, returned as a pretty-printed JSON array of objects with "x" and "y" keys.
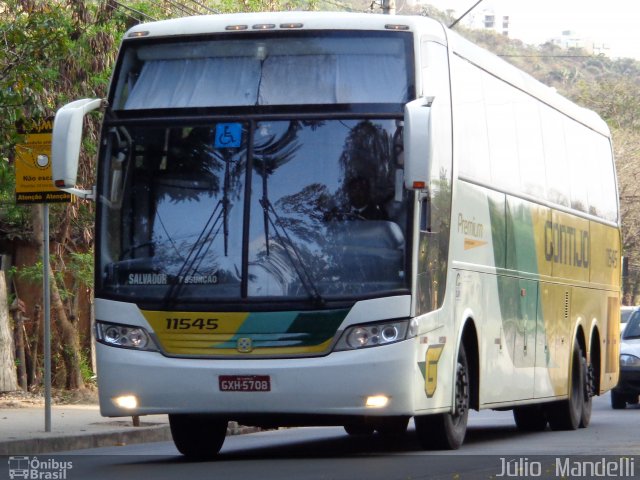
[
  {"x": 198, "y": 436},
  {"x": 589, "y": 391},
  {"x": 359, "y": 429},
  {"x": 392, "y": 426},
  {"x": 530, "y": 418},
  {"x": 566, "y": 414},
  {"x": 446, "y": 431}
]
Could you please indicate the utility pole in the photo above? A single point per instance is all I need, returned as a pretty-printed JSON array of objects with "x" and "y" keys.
[
  {"x": 465, "y": 13},
  {"x": 389, "y": 7}
]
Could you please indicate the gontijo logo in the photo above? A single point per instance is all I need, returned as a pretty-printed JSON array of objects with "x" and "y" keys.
[
  {"x": 33, "y": 468},
  {"x": 566, "y": 245}
]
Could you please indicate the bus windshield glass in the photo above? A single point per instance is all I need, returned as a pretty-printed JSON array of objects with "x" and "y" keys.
[
  {"x": 295, "y": 209},
  {"x": 308, "y": 68}
]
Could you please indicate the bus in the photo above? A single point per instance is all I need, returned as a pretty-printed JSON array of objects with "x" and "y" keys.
[{"x": 313, "y": 218}]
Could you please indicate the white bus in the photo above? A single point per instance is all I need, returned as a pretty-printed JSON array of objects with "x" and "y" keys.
[{"x": 345, "y": 219}]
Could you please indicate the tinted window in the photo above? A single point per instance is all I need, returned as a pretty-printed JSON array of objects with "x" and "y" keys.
[{"x": 338, "y": 68}]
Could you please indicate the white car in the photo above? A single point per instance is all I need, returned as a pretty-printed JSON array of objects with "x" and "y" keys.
[
  {"x": 625, "y": 313},
  {"x": 628, "y": 387}
]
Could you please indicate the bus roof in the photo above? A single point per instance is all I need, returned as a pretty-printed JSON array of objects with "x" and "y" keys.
[
  {"x": 298, "y": 20},
  {"x": 518, "y": 78},
  {"x": 277, "y": 21}
]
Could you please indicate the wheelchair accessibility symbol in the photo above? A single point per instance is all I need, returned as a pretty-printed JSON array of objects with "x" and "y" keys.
[{"x": 228, "y": 135}]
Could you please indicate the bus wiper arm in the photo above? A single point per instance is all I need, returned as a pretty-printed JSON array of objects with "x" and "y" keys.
[
  {"x": 198, "y": 250},
  {"x": 295, "y": 259}
]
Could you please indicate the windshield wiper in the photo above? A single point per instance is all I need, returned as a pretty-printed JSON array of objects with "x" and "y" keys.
[
  {"x": 198, "y": 251},
  {"x": 288, "y": 246}
]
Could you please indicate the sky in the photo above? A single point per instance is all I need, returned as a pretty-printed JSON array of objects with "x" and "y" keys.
[{"x": 614, "y": 24}]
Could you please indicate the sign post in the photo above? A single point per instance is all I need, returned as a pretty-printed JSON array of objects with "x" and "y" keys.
[{"x": 34, "y": 185}]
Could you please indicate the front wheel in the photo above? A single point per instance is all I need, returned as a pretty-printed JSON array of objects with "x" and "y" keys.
[
  {"x": 198, "y": 436},
  {"x": 359, "y": 429},
  {"x": 392, "y": 427},
  {"x": 446, "y": 431}
]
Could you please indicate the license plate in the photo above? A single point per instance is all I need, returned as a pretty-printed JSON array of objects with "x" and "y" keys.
[{"x": 244, "y": 383}]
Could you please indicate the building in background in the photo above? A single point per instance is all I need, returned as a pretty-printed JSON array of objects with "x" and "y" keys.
[{"x": 490, "y": 18}]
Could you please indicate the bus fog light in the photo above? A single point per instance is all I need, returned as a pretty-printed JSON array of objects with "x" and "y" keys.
[
  {"x": 127, "y": 402},
  {"x": 377, "y": 401}
]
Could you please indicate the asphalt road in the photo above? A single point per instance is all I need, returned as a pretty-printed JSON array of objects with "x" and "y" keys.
[{"x": 328, "y": 453}]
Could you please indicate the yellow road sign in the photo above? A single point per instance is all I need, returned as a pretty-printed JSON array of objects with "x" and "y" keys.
[{"x": 33, "y": 167}]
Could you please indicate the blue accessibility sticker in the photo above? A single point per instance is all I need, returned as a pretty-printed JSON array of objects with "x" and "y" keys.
[{"x": 228, "y": 135}]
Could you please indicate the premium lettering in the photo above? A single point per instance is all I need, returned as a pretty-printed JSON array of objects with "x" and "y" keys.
[{"x": 470, "y": 227}]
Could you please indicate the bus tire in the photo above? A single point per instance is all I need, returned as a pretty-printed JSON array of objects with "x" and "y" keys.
[
  {"x": 566, "y": 414},
  {"x": 198, "y": 436},
  {"x": 359, "y": 429},
  {"x": 392, "y": 427},
  {"x": 530, "y": 418},
  {"x": 589, "y": 391},
  {"x": 446, "y": 431}
]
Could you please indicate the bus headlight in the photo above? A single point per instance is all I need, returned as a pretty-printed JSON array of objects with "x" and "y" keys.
[
  {"x": 124, "y": 336},
  {"x": 374, "y": 334}
]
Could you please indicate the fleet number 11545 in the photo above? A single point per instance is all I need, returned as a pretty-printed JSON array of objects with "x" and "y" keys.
[{"x": 192, "y": 323}]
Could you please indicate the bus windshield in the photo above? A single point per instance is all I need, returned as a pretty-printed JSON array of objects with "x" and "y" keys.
[
  {"x": 297, "y": 209},
  {"x": 308, "y": 68}
]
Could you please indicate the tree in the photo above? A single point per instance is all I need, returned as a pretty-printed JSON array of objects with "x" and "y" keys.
[{"x": 8, "y": 376}]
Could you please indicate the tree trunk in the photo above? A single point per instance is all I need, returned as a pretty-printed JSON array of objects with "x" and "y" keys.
[
  {"x": 33, "y": 343},
  {"x": 70, "y": 339},
  {"x": 19, "y": 335},
  {"x": 8, "y": 377}
]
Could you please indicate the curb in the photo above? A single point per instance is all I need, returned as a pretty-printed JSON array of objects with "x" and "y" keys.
[
  {"x": 59, "y": 443},
  {"x": 63, "y": 442}
]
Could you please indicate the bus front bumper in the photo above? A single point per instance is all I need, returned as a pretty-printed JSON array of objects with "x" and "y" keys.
[{"x": 339, "y": 384}]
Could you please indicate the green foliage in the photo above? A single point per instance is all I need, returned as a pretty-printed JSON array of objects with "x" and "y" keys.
[
  {"x": 13, "y": 218},
  {"x": 85, "y": 368},
  {"x": 81, "y": 267},
  {"x": 30, "y": 273}
]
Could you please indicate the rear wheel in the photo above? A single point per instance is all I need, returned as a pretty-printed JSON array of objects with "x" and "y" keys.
[
  {"x": 567, "y": 414},
  {"x": 589, "y": 391},
  {"x": 530, "y": 418},
  {"x": 198, "y": 436},
  {"x": 446, "y": 431}
]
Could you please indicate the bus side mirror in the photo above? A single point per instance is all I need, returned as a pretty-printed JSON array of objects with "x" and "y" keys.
[
  {"x": 66, "y": 141},
  {"x": 418, "y": 139}
]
